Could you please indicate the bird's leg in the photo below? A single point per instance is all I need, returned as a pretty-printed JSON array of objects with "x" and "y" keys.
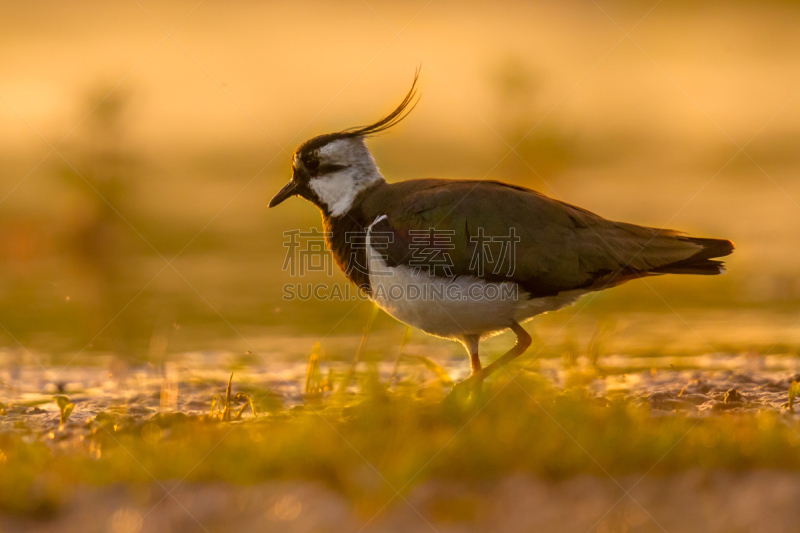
[
  {"x": 474, "y": 363},
  {"x": 471, "y": 344},
  {"x": 463, "y": 390},
  {"x": 523, "y": 341}
]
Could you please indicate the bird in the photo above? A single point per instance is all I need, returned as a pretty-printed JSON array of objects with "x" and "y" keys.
[{"x": 468, "y": 259}]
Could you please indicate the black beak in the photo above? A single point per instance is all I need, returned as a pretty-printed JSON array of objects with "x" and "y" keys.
[{"x": 289, "y": 190}]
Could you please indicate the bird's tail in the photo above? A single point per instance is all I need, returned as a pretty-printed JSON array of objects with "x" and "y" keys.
[
  {"x": 703, "y": 261},
  {"x": 626, "y": 251}
]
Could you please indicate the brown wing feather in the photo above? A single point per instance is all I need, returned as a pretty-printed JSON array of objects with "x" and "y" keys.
[{"x": 562, "y": 247}]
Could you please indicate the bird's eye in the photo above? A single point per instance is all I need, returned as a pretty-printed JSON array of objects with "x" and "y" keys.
[{"x": 311, "y": 164}]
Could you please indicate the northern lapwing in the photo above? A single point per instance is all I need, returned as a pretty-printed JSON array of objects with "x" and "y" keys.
[{"x": 465, "y": 259}]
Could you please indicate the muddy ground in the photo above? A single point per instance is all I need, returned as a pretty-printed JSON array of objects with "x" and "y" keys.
[{"x": 695, "y": 500}]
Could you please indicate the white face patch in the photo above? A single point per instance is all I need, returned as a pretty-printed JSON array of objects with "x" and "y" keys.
[{"x": 337, "y": 191}]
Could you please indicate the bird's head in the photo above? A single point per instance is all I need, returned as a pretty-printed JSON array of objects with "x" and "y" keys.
[{"x": 331, "y": 170}]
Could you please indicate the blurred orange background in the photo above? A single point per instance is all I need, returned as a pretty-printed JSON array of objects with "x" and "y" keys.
[{"x": 140, "y": 142}]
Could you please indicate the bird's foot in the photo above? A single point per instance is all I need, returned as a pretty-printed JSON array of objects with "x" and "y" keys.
[{"x": 472, "y": 387}]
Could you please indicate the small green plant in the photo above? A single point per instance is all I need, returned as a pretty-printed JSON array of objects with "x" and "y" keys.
[
  {"x": 403, "y": 342},
  {"x": 222, "y": 407},
  {"x": 794, "y": 391},
  {"x": 315, "y": 383},
  {"x": 348, "y": 378},
  {"x": 599, "y": 341},
  {"x": 570, "y": 350},
  {"x": 65, "y": 407}
]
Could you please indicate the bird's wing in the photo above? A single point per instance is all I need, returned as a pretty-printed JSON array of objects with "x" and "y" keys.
[{"x": 500, "y": 232}]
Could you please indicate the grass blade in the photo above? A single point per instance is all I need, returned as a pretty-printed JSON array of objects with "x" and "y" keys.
[
  {"x": 403, "y": 342},
  {"x": 431, "y": 365},
  {"x": 351, "y": 372}
]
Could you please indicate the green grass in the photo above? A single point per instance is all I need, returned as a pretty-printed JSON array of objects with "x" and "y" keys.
[{"x": 368, "y": 445}]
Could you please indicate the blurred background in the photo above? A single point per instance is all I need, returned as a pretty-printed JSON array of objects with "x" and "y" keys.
[{"x": 141, "y": 141}]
